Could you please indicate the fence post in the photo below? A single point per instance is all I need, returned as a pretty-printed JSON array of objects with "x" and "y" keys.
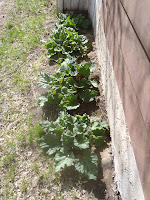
[{"x": 59, "y": 4}]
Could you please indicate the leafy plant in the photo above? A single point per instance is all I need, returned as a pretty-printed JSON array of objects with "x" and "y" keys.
[
  {"x": 66, "y": 41},
  {"x": 70, "y": 139},
  {"x": 77, "y": 22},
  {"x": 69, "y": 86}
]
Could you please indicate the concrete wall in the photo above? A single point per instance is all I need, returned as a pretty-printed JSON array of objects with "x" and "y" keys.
[{"x": 125, "y": 71}]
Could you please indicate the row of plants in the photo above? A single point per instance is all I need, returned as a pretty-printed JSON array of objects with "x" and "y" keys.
[{"x": 71, "y": 138}]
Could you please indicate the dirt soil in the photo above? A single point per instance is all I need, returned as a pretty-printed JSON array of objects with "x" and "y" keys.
[{"x": 103, "y": 189}]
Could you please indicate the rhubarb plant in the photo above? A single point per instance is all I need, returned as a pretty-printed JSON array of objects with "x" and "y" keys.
[
  {"x": 70, "y": 139},
  {"x": 79, "y": 23},
  {"x": 69, "y": 86},
  {"x": 65, "y": 41}
]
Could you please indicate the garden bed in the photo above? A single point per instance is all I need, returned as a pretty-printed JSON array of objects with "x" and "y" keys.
[
  {"x": 96, "y": 108},
  {"x": 26, "y": 173}
]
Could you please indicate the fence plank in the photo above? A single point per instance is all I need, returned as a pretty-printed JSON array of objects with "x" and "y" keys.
[
  {"x": 75, "y": 4},
  {"x": 67, "y": 4},
  {"x": 59, "y": 4},
  {"x": 83, "y": 4}
]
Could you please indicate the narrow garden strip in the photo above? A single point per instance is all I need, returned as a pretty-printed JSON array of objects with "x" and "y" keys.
[{"x": 70, "y": 139}]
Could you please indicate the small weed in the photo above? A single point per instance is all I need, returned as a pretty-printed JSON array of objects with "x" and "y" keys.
[
  {"x": 35, "y": 167},
  {"x": 2, "y": 97},
  {"x": 34, "y": 134},
  {"x": 30, "y": 136},
  {"x": 56, "y": 180},
  {"x": 43, "y": 179},
  {"x": 7, "y": 193},
  {"x": 73, "y": 196},
  {"x": 58, "y": 198},
  {"x": 23, "y": 187},
  {"x": 11, "y": 172},
  {"x": 51, "y": 168},
  {"x": 9, "y": 25},
  {"x": 10, "y": 156}
]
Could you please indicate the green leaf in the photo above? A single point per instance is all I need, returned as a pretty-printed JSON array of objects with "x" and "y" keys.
[
  {"x": 105, "y": 125},
  {"x": 95, "y": 125},
  {"x": 51, "y": 143},
  {"x": 69, "y": 102},
  {"x": 84, "y": 119},
  {"x": 97, "y": 129},
  {"x": 84, "y": 84},
  {"x": 52, "y": 127},
  {"x": 67, "y": 140},
  {"x": 87, "y": 164},
  {"x": 84, "y": 70},
  {"x": 94, "y": 83},
  {"x": 70, "y": 81},
  {"x": 44, "y": 79},
  {"x": 63, "y": 160},
  {"x": 47, "y": 126},
  {"x": 98, "y": 136},
  {"x": 77, "y": 22},
  {"x": 88, "y": 95},
  {"x": 81, "y": 142},
  {"x": 98, "y": 140},
  {"x": 43, "y": 99}
]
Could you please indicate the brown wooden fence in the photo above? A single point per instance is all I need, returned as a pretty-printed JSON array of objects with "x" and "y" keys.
[
  {"x": 65, "y": 5},
  {"x": 126, "y": 25}
]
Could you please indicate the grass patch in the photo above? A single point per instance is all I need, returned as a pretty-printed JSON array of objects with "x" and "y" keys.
[
  {"x": 22, "y": 33},
  {"x": 22, "y": 53}
]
